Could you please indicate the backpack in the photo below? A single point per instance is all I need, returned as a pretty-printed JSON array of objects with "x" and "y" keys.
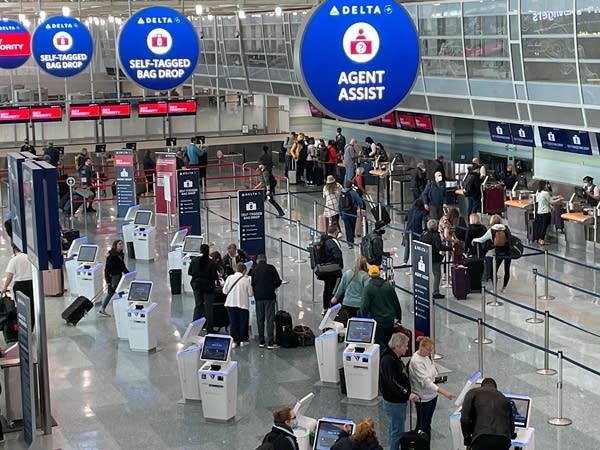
[
  {"x": 346, "y": 201},
  {"x": 516, "y": 247},
  {"x": 366, "y": 248},
  {"x": 469, "y": 183},
  {"x": 304, "y": 336},
  {"x": 323, "y": 154},
  {"x": 500, "y": 239},
  {"x": 383, "y": 157}
]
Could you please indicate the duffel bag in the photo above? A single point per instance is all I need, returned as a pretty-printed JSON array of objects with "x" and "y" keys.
[{"x": 304, "y": 336}]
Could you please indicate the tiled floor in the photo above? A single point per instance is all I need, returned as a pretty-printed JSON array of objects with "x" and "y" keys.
[{"x": 106, "y": 397}]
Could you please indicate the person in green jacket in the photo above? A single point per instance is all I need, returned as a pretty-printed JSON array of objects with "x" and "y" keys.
[
  {"x": 381, "y": 303},
  {"x": 351, "y": 288}
]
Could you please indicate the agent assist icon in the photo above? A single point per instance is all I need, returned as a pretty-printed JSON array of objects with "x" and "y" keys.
[{"x": 361, "y": 42}]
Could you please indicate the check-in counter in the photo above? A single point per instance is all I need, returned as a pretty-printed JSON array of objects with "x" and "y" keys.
[
  {"x": 575, "y": 227},
  {"x": 517, "y": 214}
]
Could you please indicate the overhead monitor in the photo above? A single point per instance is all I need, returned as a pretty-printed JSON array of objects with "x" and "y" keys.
[
  {"x": 193, "y": 331},
  {"x": 60, "y": 149},
  {"x": 179, "y": 238},
  {"x": 192, "y": 244},
  {"x": 139, "y": 291},
  {"x": 142, "y": 218},
  {"x": 521, "y": 409},
  {"x": 302, "y": 405},
  {"x": 131, "y": 145},
  {"x": 216, "y": 347},
  {"x": 329, "y": 317},
  {"x": 100, "y": 148},
  {"x": 131, "y": 212},
  {"x": 75, "y": 245},
  {"x": 125, "y": 282},
  {"x": 87, "y": 253},
  {"x": 200, "y": 139},
  {"x": 328, "y": 431},
  {"x": 171, "y": 141},
  {"x": 360, "y": 331}
]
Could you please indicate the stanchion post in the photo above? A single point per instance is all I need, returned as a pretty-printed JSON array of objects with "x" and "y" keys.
[
  {"x": 290, "y": 223},
  {"x": 484, "y": 340},
  {"x": 71, "y": 203},
  {"x": 535, "y": 318},
  {"x": 546, "y": 370},
  {"x": 495, "y": 302},
  {"x": 207, "y": 226},
  {"x": 231, "y": 228},
  {"x": 283, "y": 281},
  {"x": 1, "y": 196},
  {"x": 316, "y": 217},
  {"x": 447, "y": 283},
  {"x": 435, "y": 355},
  {"x": 546, "y": 296},
  {"x": 560, "y": 420},
  {"x": 233, "y": 173},
  {"x": 298, "y": 259},
  {"x": 480, "y": 339}
]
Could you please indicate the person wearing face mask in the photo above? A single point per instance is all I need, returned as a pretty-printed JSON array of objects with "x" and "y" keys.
[
  {"x": 281, "y": 436},
  {"x": 434, "y": 196},
  {"x": 591, "y": 191},
  {"x": 510, "y": 178},
  {"x": 375, "y": 242},
  {"x": 418, "y": 180}
]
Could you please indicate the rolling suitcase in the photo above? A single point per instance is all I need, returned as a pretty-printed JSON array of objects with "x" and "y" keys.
[
  {"x": 493, "y": 199},
  {"x": 175, "y": 281},
  {"x": 282, "y": 319},
  {"x": 475, "y": 268},
  {"x": 461, "y": 285},
  {"x": 318, "y": 177},
  {"x": 76, "y": 310},
  {"x": 53, "y": 282},
  {"x": 385, "y": 215},
  {"x": 292, "y": 174},
  {"x": 220, "y": 316}
]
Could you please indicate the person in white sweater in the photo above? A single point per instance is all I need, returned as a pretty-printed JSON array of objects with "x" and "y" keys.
[
  {"x": 422, "y": 373},
  {"x": 238, "y": 289}
]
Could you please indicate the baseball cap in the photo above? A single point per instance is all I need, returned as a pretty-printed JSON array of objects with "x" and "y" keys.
[
  {"x": 379, "y": 225},
  {"x": 373, "y": 271}
]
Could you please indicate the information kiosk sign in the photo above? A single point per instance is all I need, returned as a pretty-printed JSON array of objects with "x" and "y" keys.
[
  {"x": 166, "y": 164},
  {"x": 188, "y": 200},
  {"x": 125, "y": 181},
  {"x": 422, "y": 282},
  {"x": 15, "y": 44},
  {"x": 252, "y": 221},
  {"x": 372, "y": 55},
  {"x": 62, "y": 46},
  {"x": 158, "y": 48}
]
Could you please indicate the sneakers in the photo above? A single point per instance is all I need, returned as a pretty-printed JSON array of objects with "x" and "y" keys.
[
  {"x": 244, "y": 343},
  {"x": 261, "y": 345},
  {"x": 90, "y": 209},
  {"x": 234, "y": 345},
  {"x": 272, "y": 346},
  {"x": 103, "y": 313},
  {"x": 438, "y": 296}
]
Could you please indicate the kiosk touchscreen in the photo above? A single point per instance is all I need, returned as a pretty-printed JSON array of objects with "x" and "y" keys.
[
  {"x": 361, "y": 359},
  {"x": 191, "y": 244},
  {"x": 142, "y": 317},
  {"x": 328, "y": 430},
  {"x": 178, "y": 238},
  {"x": 329, "y": 356},
  {"x": 139, "y": 292},
  {"x": 360, "y": 331},
  {"x": 75, "y": 245},
  {"x": 131, "y": 212},
  {"x": 216, "y": 349},
  {"x": 87, "y": 254},
  {"x": 142, "y": 218},
  {"x": 521, "y": 409},
  {"x": 144, "y": 236}
]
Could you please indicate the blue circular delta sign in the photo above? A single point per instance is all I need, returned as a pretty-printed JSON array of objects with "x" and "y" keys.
[
  {"x": 62, "y": 46},
  {"x": 15, "y": 44},
  {"x": 356, "y": 59},
  {"x": 158, "y": 48}
]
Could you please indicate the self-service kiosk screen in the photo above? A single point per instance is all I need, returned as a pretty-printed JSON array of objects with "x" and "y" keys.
[
  {"x": 328, "y": 432},
  {"x": 139, "y": 291},
  {"x": 87, "y": 253},
  {"x": 360, "y": 332},
  {"x": 521, "y": 407},
  {"x": 142, "y": 218},
  {"x": 192, "y": 244},
  {"x": 215, "y": 348}
]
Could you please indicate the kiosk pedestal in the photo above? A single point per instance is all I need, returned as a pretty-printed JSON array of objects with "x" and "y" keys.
[
  {"x": 89, "y": 280},
  {"x": 128, "y": 230},
  {"x": 174, "y": 259},
  {"x": 71, "y": 266},
  {"x": 218, "y": 390},
  {"x": 189, "y": 361},
  {"x": 120, "y": 307},
  {"x": 329, "y": 355},
  {"x": 143, "y": 324},
  {"x": 361, "y": 369},
  {"x": 144, "y": 243},
  {"x": 185, "y": 278}
]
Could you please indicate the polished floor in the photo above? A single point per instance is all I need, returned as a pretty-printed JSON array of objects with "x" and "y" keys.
[{"x": 106, "y": 397}]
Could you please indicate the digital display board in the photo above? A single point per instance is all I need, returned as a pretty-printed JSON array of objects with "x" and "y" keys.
[
  {"x": 51, "y": 113},
  {"x": 182, "y": 108},
  {"x": 115, "y": 110},
  {"x": 387, "y": 121},
  {"x": 84, "y": 112},
  {"x": 15, "y": 115},
  {"x": 500, "y": 132},
  {"x": 152, "y": 109},
  {"x": 424, "y": 123},
  {"x": 407, "y": 121}
]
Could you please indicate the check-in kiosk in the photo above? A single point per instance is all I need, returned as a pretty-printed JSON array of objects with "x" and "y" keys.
[
  {"x": 328, "y": 431},
  {"x": 144, "y": 236},
  {"x": 71, "y": 264},
  {"x": 218, "y": 378},
  {"x": 191, "y": 249},
  {"x": 176, "y": 253},
  {"x": 306, "y": 425},
  {"x": 329, "y": 355},
  {"x": 89, "y": 276},
  {"x": 128, "y": 228},
  {"x": 361, "y": 359},
  {"x": 143, "y": 317},
  {"x": 121, "y": 303},
  {"x": 189, "y": 362}
]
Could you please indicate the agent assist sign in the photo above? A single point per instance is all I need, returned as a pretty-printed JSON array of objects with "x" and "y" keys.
[
  {"x": 158, "y": 48},
  {"x": 357, "y": 60}
]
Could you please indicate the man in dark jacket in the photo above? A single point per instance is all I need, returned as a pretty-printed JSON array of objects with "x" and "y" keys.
[
  {"x": 233, "y": 256},
  {"x": 433, "y": 238},
  {"x": 26, "y": 147},
  {"x": 266, "y": 159},
  {"x": 52, "y": 153},
  {"x": 330, "y": 253},
  {"x": 472, "y": 186},
  {"x": 418, "y": 180},
  {"x": 439, "y": 166},
  {"x": 434, "y": 196},
  {"x": 267, "y": 182},
  {"x": 204, "y": 275},
  {"x": 281, "y": 436},
  {"x": 487, "y": 420},
  {"x": 375, "y": 243},
  {"x": 381, "y": 303},
  {"x": 394, "y": 385},
  {"x": 265, "y": 280},
  {"x": 348, "y": 204}
]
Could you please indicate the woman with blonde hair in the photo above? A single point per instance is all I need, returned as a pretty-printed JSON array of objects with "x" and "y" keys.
[
  {"x": 331, "y": 194},
  {"x": 497, "y": 237},
  {"x": 359, "y": 180},
  {"x": 351, "y": 288},
  {"x": 363, "y": 438}
]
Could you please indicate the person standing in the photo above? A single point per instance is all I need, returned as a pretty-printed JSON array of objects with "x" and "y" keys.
[
  {"x": 376, "y": 244},
  {"x": 332, "y": 158},
  {"x": 415, "y": 225},
  {"x": 202, "y": 163},
  {"x": 422, "y": 374},
  {"x": 238, "y": 289},
  {"x": 351, "y": 288},
  {"x": 499, "y": 236},
  {"x": 330, "y": 253},
  {"x": 26, "y": 147},
  {"x": 331, "y": 194},
  {"x": 592, "y": 192},
  {"x": 86, "y": 175},
  {"x": 544, "y": 203},
  {"x": 394, "y": 385},
  {"x": 434, "y": 196},
  {"x": 472, "y": 185},
  {"x": 266, "y": 159},
  {"x": 268, "y": 183},
  {"x": 348, "y": 204},
  {"x": 381, "y": 303},
  {"x": 18, "y": 272},
  {"x": 113, "y": 271},
  {"x": 204, "y": 280},
  {"x": 351, "y": 152},
  {"x": 487, "y": 420},
  {"x": 52, "y": 152},
  {"x": 312, "y": 160},
  {"x": 510, "y": 178},
  {"x": 193, "y": 153},
  {"x": 439, "y": 166},
  {"x": 149, "y": 169},
  {"x": 81, "y": 158},
  {"x": 340, "y": 141},
  {"x": 418, "y": 181},
  {"x": 233, "y": 256},
  {"x": 287, "y": 145},
  {"x": 281, "y": 436},
  {"x": 433, "y": 238},
  {"x": 265, "y": 281},
  {"x": 363, "y": 438}
]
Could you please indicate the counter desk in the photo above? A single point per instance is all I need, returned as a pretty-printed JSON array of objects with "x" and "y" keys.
[
  {"x": 517, "y": 214},
  {"x": 575, "y": 227}
]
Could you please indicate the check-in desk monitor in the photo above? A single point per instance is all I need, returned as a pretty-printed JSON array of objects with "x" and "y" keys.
[
  {"x": 142, "y": 218},
  {"x": 521, "y": 409},
  {"x": 131, "y": 212},
  {"x": 87, "y": 254},
  {"x": 192, "y": 244},
  {"x": 131, "y": 145},
  {"x": 178, "y": 238},
  {"x": 360, "y": 331},
  {"x": 328, "y": 430},
  {"x": 100, "y": 148},
  {"x": 328, "y": 321},
  {"x": 75, "y": 246},
  {"x": 139, "y": 292},
  {"x": 216, "y": 348}
]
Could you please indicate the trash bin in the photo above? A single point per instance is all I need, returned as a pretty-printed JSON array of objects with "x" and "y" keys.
[{"x": 175, "y": 281}]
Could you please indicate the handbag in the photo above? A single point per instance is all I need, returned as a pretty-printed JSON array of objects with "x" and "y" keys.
[
  {"x": 233, "y": 285},
  {"x": 7, "y": 304},
  {"x": 328, "y": 270}
]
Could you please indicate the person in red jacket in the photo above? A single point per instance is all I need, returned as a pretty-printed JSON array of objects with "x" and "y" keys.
[{"x": 333, "y": 157}]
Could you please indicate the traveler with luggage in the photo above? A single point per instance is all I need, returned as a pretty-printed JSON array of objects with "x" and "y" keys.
[
  {"x": 363, "y": 438},
  {"x": 476, "y": 261},
  {"x": 233, "y": 256},
  {"x": 265, "y": 281},
  {"x": 434, "y": 196},
  {"x": 113, "y": 271},
  {"x": 371, "y": 246},
  {"x": 268, "y": 183},
  {"x": 359, "y": 181},
  {"x": 545, "y": 203},
  {"x": 475, "y": 230},
  {"x": 332, "y": 158},
  {"x": 418, "y": 180},
  {"x": 432, "y": 237},
  {"x": 423, "y": 373},
  {"x": 331, "y": 194},
  {"x": 238, "y": 289},
  {"x": 351, "y": 288},
  {"x": 340, "y": 141},
  {"x": 204, "y": 279},
  {"x": 312, "y": 159},
  {"x": 351, "y": 153},
  {"x": 416, "y": 223},
  {"x": 394, "y": 384},
  {"x": 86, "y": 175},
  {"x": 281, "y": 436},
  {"x": 330, "y": 255},
  {"x": 472, "y": 185},
  {"x": 348, "y": 205},
  {"x": 18, "y": 272}
]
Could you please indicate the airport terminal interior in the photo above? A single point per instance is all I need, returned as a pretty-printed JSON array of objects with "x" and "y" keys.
[{"x": 512, "y": 82}]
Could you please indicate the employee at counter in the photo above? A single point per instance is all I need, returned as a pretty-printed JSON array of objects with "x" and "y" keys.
[{"x": 592, "y": 192}]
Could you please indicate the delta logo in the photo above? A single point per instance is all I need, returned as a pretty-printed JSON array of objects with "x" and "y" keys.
[
  {"x": 359, "y": 10},
  {"x": 157, "y": 20}
]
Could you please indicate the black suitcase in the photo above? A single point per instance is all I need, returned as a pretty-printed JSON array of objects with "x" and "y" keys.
[
  {"x": 414, "y": 440},
  {"x": 282, "y": 319},
  {"x": 385, "y": 215},
  {"x": 475, "y": 268},
  {"x": 10, "y": 331},
  {"x": 317, "y": 176},
  {"x": 76, "y": 310},
  {"x": 220, "y": 316},
  {"x": 68, "y": 237},
  {"x": 65, "y": 204},
  {"x": 534, "y": 229},
  {"x": 461, "y": 286},
  {"x": 175, "y": 281}
]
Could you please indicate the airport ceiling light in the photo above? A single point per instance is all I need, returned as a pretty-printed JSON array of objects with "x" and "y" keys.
[
  {"x": 241, "y": 14},
  {"x": 66, "y": 11},
  {"x": 199, "y": 10},
  {"x": 278, "y": 11},
  {"x": 42, "y": 16},
  {"x": 210, "y": 17}
]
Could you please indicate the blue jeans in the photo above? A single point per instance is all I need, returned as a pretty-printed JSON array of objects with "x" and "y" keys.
[
  {"x": 350, "y": 168},
  {"x": 474, "y": 204},
  {"x": 349, "y": 225},
  {"x": 238, "y": 323},
  {"x": 396, "y": 413},
  {"x": 425, "y": 412}
]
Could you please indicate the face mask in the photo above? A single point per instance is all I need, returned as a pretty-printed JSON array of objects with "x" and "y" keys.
[
  {"x": 438, "y": 179},
  {"x": 294, "y": 423},
  {"x": 339, "y": 235}
]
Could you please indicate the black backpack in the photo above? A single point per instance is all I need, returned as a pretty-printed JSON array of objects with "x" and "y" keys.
[
  {"x": 346, "y": 203},
  {"x": 366, "y": 248},
  {"x": 469, "y": 184},
  {"x": 323, "y": 154},
  {"x": 304, "y": 336}
]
